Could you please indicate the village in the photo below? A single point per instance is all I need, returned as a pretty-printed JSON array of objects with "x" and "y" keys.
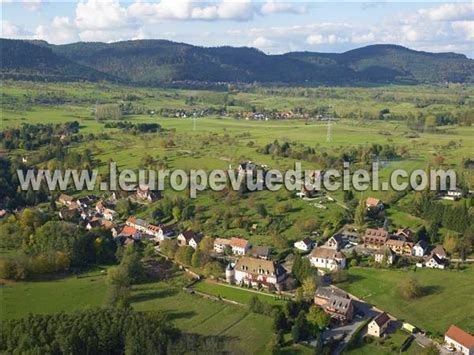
[{"x": 252, "y": 266}]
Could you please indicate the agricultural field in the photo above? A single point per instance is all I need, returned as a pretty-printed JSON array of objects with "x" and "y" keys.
[
  {"x": 447, "y": 299},
  {"x": 217, "y": 142}
]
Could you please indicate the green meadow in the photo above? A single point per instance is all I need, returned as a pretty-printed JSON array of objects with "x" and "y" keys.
[{"x": 449, "y": 297}]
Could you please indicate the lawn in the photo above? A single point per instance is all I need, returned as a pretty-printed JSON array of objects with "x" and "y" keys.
[
  {"x": 449, "y": 299},
  {"x": 67, "y": 294},
  {"x": 247, "y": 332},
  {"x": 235, "y": 293},
  {"x": 389, "y": 345}
]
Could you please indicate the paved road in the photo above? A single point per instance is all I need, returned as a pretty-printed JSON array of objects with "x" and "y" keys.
[{"x": 371, "y": 311}]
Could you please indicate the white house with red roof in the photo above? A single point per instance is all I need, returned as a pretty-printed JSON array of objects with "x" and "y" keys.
[
  {"x": 239, "y": 246},
  {"x": 460, "y": 340}
]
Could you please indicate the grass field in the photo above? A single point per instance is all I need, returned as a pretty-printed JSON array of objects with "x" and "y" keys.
[
  {"x": 389, "y": 345},
  {"x": 248, "y": 332},
  {"x": 449, "y": 299},
  {"x": 235, "y": 293}
]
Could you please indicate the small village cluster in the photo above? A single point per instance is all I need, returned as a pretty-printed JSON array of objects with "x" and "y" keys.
[{"x": 252, "y": 266}]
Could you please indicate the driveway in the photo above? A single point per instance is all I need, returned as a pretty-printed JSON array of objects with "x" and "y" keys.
[{"x": 347, "y": 330}]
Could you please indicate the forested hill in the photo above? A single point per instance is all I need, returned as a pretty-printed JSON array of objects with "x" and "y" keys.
[
  {"x": 25, "y": 61},
  {"x": 154, "y": 62}
]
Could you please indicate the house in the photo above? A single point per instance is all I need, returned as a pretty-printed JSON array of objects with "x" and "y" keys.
[
  {"x": 94, "y": 223},
  {"x": 454, "y": 194},
  {"x": 129, "y": 232},
  {"x": 247, "y": 168},
  {"x": 327, "y": 258},
  {"x": 324, "y": 293},
  {"x": 460, "y": 340},
  {"x": 304, "y": 245},
  {"x": 340, "y": 308},
  {"x": 440, "y": 252},
  {"x": 144, "y": 193},
  {"x": 261, "y": 252},
  {"x": 189, "y": 238},
  {"x": 195, "y": 240},
  {"x": 109, "y": 214},
  {"x": 137, "y": 223},
  {"x": 239, "y": 246},
  {"x": 374, "y": 203},
  {"x": 335, "y": 242},
  {"x": 435, "y": 262},
  {"x": 220, "y": 244},
  {"x": 405, "y": 234},
  {"x": 85, "y": 201},
  {"x": 257, "y": 272},
  {"x": 65, "y": 199},
  {"x": 387, "y": 253},
  {"x": 68, "y": 214},
  {"x": 160, "y": 232},
  {"x": 109, "y": 225},
  {"x": 378, "y": 325},
  {"x": 307, "y": 191},
  {"x": 420, "y": 248},
  {"x": 375, "y": 238},
  {"x": 400, "y": 247}
]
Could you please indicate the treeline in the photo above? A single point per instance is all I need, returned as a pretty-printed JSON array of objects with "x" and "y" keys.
[
  {"x": 134, "y": 127},
  {"x": 32, "y": 136},
  {"x": 46, "y": 247},
  {"x": 429, "y": 122},
  {"x": 101, "y": 331},
  {"x": 455, "y": 217},
  {"x": 365, "y": 154}
]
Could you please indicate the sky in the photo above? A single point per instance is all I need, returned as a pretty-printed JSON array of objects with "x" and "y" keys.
[{"x": 272, "y": 26}]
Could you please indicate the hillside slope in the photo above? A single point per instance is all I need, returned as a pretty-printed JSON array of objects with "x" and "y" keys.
[
  {"x": 153, "y": 62},
  {"x": 21, "y": 60}
]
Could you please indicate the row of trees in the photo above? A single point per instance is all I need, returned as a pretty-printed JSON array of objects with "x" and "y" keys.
[
  {"x": 101, "y": 331},
  {"x": 31, "y": 136},
  {"x": 361, "y": 154}
]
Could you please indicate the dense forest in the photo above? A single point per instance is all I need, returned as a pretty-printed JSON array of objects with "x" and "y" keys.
[{"x": 155, "y": 62}]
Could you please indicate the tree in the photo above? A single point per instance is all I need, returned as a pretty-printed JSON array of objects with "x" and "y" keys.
[
  {"x": 184, "y": 255},
  {"x": 360, "y": 213},
  {"x": 410, "y": 288},
  {"x": 118, "y": 288},
  {"x": 198, "y": 259},
  {"x": 261, "y": 210},
  {"x": 176, "y": 213},
  {"x": 207, "y": 245},
  {"x": 317, "y": 317},
  {"x": 451, "y": 243},
  {"x": 279, "y": 321},
  {"x": 309, "y": 287},
  {"x": 169, "y": 247}
]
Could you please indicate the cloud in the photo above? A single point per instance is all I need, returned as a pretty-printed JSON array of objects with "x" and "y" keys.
[
  {"x": 274, "y": 6},
  {"x": 262, "y": 42},
  {"x": 465, "y": 27},
  {"x": 61, "y": 30},
  {"x": 11, "y": 30},
  {"x": 190, "y": 10},
  {"x": 450, "y": 12},
  {"x": 318, "y": 38},
  {"x": 30, "y": 5},
  {"x": 101, "y": 15}
]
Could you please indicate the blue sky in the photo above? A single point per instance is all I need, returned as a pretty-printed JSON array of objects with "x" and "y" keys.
[{"x": 271, "y": 25}]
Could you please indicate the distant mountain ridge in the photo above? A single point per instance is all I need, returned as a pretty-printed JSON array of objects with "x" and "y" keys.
[{"x": 154, "y": 62}]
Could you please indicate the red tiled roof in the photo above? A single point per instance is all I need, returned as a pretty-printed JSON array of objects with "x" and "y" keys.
[
  {"x": 460, "y": 336},
  {"x": 372, "y": 202},
  {"x": 238, "y": 242},
  {"x": 127, "y": 230}
]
